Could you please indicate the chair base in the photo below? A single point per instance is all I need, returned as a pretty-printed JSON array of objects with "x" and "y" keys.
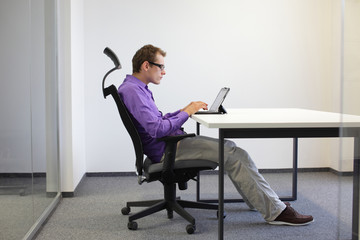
[{"x": 170, "y": 205}]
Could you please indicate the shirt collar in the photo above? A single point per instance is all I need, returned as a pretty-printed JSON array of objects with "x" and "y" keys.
[{"x": 135, "y": 80}]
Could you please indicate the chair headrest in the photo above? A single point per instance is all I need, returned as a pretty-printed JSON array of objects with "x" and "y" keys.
[{"x": 113, "y": 57}]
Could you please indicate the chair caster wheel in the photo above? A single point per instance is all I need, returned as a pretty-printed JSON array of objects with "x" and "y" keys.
[
  {"x": 217, "y": 215},
  {"x": 170, "y": 215},
  {"x": 190, "y": 229},
  {"x": 132, "y": 225},
  {"x": 125, "y": 211}
]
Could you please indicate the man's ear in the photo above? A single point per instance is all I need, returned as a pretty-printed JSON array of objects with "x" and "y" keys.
[{"x": 145, "y": 66}]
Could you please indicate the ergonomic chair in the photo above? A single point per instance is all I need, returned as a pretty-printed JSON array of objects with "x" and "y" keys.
[{"x": 168, "y": 172}]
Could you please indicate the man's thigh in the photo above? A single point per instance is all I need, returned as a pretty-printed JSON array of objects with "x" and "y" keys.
[{"x": 201, "y": 147}]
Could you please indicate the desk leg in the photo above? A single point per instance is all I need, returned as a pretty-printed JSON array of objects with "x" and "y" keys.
[
  {"x": 198, "y": 175},
  {"x": 295, "y": 169},
  {"x": 356, "y": 185},
  {"x": 221, "y": 185}
]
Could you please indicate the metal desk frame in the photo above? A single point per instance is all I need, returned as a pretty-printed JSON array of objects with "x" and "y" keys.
[{"x": 295, "y": 133}]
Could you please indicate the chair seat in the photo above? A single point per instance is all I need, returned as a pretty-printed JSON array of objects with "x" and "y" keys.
[{"x": 190, "y": 167}]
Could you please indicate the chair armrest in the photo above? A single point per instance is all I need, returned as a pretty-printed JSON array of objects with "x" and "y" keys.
[
  {"x": 170, "y": 154},
  {"x": 176, "y": 138}
]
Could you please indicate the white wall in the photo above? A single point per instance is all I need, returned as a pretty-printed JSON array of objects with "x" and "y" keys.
[
  {"x": 78, "y": 88},
  {"x": 270, "y": 53},
  {"x": 71, "y": 93}
]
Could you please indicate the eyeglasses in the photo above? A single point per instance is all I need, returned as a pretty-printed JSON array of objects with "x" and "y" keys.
[{"x": 161, "y": 66}]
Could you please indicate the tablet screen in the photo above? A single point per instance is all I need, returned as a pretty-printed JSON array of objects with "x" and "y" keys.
[{"x": 219, "y": 99}]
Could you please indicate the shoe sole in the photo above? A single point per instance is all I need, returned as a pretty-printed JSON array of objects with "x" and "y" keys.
[{"x": 289, "y": 224}]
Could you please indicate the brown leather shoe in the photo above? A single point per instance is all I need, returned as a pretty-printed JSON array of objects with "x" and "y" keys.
[{"x": 292, "y": 218}]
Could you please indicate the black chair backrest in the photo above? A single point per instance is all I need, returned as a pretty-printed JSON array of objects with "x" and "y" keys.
[{"x": 124, "y": 114}]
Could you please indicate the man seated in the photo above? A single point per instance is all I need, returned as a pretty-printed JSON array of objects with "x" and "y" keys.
[{"x": 148, "y": 67}]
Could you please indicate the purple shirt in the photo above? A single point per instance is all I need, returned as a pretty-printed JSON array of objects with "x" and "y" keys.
[{"x": 148, "y": 120}]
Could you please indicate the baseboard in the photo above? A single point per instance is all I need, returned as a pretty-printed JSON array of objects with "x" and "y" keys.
[
  {"x": 22, "y": 175},
  {"x": 303, "y": 170},
  {"x": 110, "y": 174},
  {"x": 290, "y": 170},
  {"x": 210, "y": 172},
  {"x": 68, "y": 194},
  {"x": 344, "y": 174}
]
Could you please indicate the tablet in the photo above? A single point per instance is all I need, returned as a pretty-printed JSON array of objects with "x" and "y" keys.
[{"x": 216, "y": 107}]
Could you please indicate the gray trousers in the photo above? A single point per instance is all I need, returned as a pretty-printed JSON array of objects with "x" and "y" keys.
[{"x": 242, "y": 171}]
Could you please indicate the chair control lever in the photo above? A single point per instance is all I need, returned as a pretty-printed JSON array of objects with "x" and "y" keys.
[{"x": 141, "y": 179}]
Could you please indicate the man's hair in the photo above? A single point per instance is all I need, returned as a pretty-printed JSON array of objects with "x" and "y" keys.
[{"x": 146, "y": 53}]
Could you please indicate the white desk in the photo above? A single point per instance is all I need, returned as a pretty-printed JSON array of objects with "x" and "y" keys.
[{"x": 284, "y": 123}]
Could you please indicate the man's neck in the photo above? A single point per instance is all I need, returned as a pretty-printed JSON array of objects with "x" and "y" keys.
[{"x": 141, "y": 77}]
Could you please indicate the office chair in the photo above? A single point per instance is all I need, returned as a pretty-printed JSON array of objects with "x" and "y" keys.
[{"x": 169, "y": 172}]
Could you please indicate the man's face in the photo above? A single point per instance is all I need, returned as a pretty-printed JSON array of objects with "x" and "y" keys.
[{"x": 155, "y": 72}]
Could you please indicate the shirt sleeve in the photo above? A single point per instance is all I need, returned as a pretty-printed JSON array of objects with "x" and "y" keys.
[
  {"x": 169, "y": 115},
  {"x": 144, "y": 110}
]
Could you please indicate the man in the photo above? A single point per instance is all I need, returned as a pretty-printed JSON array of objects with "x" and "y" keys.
[{"x": 148, "y": 67}]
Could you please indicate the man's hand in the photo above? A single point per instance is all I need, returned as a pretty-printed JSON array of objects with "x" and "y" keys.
[{"x": 193, "y": 107}]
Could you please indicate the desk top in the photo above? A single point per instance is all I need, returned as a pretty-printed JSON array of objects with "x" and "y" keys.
[{"x": 277, "y": 118}]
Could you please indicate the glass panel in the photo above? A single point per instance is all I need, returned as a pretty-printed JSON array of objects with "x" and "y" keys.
[
  {"x": 43, "y": 104},
  {"x": 38, "y": 105},
  {"x": 16, "y": 202},
  {"x": 29, "y": 167},
  {"x": 350, "y": 104}
]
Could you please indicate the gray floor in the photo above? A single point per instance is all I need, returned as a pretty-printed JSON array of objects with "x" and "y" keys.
[
  {"x": 20, "y": 208},
  {"x": 95, "y": 212}
]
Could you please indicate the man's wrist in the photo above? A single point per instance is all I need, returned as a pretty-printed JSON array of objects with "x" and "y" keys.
[{"x": 186, "y": 111}]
